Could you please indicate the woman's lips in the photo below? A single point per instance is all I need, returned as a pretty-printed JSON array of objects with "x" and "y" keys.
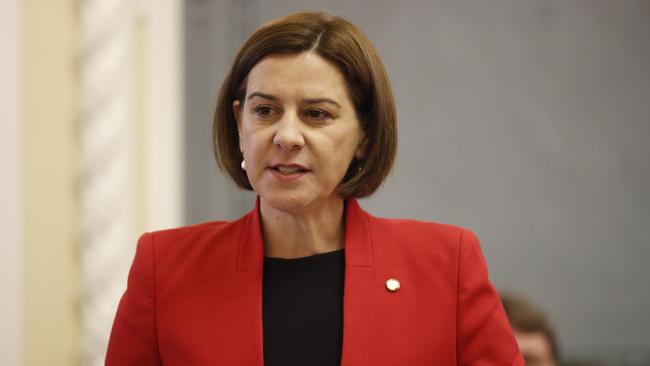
[{"x": 288, "y": 172}]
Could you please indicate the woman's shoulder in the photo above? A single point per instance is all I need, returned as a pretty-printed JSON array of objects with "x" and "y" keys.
[
  {"x": 421, "y": 236},
  {"x": 410, "y": 227},
  {"x": 211, "y": 232},
  {"x": 194, "y": 228}
]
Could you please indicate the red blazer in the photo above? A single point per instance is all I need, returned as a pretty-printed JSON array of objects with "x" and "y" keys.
[{"x": 194, "y": 297}]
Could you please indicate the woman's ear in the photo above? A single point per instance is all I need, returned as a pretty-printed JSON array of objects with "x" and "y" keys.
[
  {"x": 236, "y": 111},
  {"x": 360, "y": 152}
]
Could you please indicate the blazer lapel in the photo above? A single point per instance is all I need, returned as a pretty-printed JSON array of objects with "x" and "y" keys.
[
  {"x": 248, "y": 279},
  {"x": 359, "y": 278}
]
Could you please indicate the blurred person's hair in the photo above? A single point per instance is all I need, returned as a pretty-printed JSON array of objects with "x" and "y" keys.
[
  {"x": 342, "y": 43},
  {"x": 527, "y": 318}
]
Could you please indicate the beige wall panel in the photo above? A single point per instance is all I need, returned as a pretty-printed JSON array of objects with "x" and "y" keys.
[{"x": 49, "y": 151}]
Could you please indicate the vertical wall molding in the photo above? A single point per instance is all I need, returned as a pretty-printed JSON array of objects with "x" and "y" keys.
[
  {"x": 162, "y": 114},
  {"x": 107, "y": 184},
  {"x": 131, "y": 150}
]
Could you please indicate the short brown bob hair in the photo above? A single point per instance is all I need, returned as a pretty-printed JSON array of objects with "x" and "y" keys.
[{"x": 336, "y": 40}]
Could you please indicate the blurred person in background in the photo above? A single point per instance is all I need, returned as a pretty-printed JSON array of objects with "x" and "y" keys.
[
  {"x": 534, "y": 334},
  {"x": 306, "y": 119}
]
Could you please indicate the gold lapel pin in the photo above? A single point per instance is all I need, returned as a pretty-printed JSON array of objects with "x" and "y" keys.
[{"x": 392, "y": 285}]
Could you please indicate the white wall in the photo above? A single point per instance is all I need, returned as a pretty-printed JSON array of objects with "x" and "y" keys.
[
  {"x": 163, "y": 104},
  {"x": 11, "y": 288}
]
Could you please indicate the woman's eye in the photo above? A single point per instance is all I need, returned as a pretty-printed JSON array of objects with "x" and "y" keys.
[
  {"x": 317, "y": 114},
  {"x": 264, "y": 111}
]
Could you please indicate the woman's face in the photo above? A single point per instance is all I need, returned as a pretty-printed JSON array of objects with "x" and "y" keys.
[{"x": 298, "y": 131}]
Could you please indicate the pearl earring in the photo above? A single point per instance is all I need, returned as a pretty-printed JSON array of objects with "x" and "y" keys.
[{"x": 243, "y": 164}]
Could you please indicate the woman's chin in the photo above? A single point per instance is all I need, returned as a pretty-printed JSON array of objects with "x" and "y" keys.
[
  {"x": 289, "y": 202},
  {"x": 295, "y": 203}
]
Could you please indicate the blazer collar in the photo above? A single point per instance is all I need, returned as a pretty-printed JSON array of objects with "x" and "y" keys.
[{"x": 358, "y": 239}]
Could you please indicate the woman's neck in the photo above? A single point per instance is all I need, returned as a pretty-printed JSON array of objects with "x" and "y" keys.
[{"x": 286, "y": 235}]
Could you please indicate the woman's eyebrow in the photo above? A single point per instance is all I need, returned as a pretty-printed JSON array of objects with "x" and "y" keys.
[
  {"x": 322, "y": 100},
  {"x": 261, "y": 95},
  {"x": 308, "y": 101}
]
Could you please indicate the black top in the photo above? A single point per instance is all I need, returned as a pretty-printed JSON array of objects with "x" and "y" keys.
[{"x": 303, "y": 310}]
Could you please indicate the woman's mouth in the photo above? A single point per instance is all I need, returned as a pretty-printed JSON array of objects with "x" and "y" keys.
[{"x": 288, "y": 171}]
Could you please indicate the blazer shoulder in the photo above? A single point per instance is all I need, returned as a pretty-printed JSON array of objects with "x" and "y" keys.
[
  {"x": 210, "y": 231},
  {"x": 418, "y": 228},
  {"x": 444, "y": 241}
]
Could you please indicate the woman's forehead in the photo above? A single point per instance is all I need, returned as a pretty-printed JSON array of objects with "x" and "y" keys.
[{"x": 306, "y": 74}]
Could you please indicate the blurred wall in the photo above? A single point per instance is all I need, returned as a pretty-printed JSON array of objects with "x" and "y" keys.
[
  {"x": 11, "y": 264},
  {"x": 49, "y": 149},
  {"x": 129, "y": 122},
  {"x": 527, "y": 121},
  {"x": 50, "y": 278},
  {"x": 213, "y": 30}
]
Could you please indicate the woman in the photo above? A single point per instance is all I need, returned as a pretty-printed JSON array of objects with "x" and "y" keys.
[{"x": 306, "y": 119}]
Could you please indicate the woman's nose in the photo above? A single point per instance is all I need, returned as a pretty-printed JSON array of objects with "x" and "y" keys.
[{"x": 288, "y": 135}]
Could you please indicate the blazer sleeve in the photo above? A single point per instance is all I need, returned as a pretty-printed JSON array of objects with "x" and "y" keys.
[
  {"x": 484, "y": 333},
  {"x": 133, "y": 338}
]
